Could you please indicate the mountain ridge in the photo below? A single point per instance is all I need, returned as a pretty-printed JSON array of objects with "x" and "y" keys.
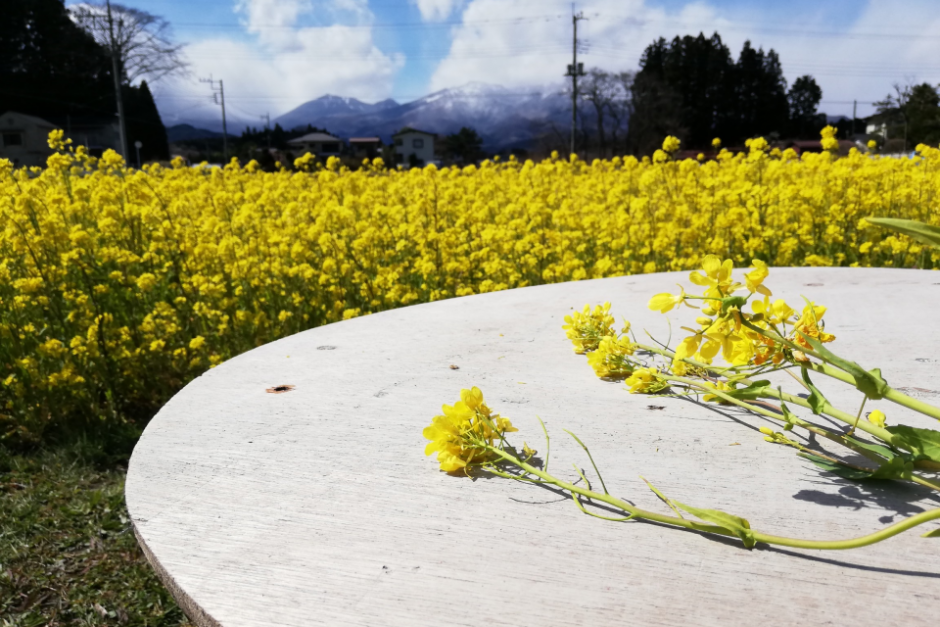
[{"x": 504, "y": 118}]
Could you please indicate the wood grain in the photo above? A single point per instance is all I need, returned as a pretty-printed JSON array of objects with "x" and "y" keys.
[{"x": 318, "y": 507}]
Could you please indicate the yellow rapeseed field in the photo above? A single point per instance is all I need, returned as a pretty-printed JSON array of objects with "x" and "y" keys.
[{"x": 118, "y": 285}]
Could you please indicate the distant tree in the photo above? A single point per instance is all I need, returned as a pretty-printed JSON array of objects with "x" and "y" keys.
[
  {"x": 48, "y": 65},
  {"x": 141, "y": 41},
  {"x": 896, "y": 113},
  {"x": 466, "y": 145},
  {"x": 279, "y": 137},
  {"x": 804, "y": 98},
  {"x": 693, "y": 74},
  {"x": 717, "y": 96},
  {"x": 144, "y": 125},
  {"x": 761, "y": 92},
  {"x": 656, "y": 113},
  {"x": 608, "y": 95},
  {"x": 924, "y": 115}
]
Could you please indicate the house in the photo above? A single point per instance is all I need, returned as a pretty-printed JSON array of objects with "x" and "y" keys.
[
  {"x": 365, "y": 147},
  {"x": 23, "y": 139},
  {"x": 320, "y": 144},
  {"x": 413, "y": 147},
  {"x": 97, "y": 133}
]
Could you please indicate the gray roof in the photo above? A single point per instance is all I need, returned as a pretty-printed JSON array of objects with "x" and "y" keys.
[
  {"x": 314, "y": 137},
  {"x": 28, "y": 118},
  {"x": 408, "y": 129}
]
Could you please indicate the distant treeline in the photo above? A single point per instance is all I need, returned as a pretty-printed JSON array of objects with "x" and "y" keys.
[{"x": 50, "y": 68}]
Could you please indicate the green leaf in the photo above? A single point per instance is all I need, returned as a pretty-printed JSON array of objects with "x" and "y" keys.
[
  {"x": 735, "y": 524},
  {"x": 869, "y": 382},
  {"x": 837, "y": 469},
  {"x": 897, "y": 468},
  {"x": 932, "y": 534},
  {"x": 923, "y": 233},
  {"x": 752, "y": 392},
  {"x": 878, "y": 449},
  {"x": 923, "y": 443},
  {"x": 816, "y": 400}
]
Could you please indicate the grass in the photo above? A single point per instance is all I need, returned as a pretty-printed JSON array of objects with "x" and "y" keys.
[{"x": 68, "y": 555}]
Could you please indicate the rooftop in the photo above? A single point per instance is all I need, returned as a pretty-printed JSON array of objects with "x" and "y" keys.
[
  {"x": 408, "y": 129},
  {"x": 314, "y": 137}
]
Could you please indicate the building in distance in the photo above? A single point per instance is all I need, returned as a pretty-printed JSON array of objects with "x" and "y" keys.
[
  {"x": 320, "y": 144},
  {"x": 414, "y": 147}
]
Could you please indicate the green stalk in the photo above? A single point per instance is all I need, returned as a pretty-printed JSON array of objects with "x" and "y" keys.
[
  {"x": 891, "y": 394},
  {"x": 828, "y": 409},
  {"x": 636, "y": 512},
  {"x": 929, "y": 483}
]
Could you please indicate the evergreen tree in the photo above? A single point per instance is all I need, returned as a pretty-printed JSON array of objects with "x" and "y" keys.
[
  {"x": 49, "y": 67},
  {"x": 144, "y": 125},
  {"x": 693, "y": 74},
  {"x": 715, "y": 96},
  {"x": 466, "y": 145},
  {"x": 924, "y": 115},
  {"x": 761, "y": 100},
  {"x": 804, "y": 97}
]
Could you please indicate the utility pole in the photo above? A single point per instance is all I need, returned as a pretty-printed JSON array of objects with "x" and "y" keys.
[
  {"x": 574, "y": 71},
  {"x": 218, "y": 97},
  {"x": 854, "y": 111},
  {"x": 116, "y": 70}
]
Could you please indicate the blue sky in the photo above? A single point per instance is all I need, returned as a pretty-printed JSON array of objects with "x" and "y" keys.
[{"x": 276, "y": 54}]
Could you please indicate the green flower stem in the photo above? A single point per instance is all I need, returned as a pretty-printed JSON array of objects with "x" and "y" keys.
[
  {"x": 829, "y": 410},
  {"x": 636, "y": 512},
  {"x": 891, "y": 394},
  {"x": 838, "y": 414},
  {"x": 838, "y": 439},
  {"x": 874, "y": 430},
  {"x": 835, "y": 372}
]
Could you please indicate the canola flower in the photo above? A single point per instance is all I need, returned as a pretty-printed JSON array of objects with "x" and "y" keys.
[
  {"x": 462, "y": 434},
  {"x": 742, "y": 336},
  {"x": 471, "y": 440},
  {"x": 119, "y": 285}
]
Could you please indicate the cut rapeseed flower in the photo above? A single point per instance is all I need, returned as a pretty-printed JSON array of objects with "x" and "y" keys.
[
  {"x": 587, "y": 328},
  {"x": 459, "y": 435}
]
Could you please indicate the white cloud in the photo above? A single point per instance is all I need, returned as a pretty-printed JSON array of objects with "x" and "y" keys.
[
  {"x": 282, "y": 65},
  {"x": 523, "y": 44},
  {"x": 435, "y": 10}
]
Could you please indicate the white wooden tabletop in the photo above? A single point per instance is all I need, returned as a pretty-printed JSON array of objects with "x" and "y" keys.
[{"x": 317, "y": 506}]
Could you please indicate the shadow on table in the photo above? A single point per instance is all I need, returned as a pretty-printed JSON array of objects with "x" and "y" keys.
[
  {"x": 734, "y": 543},
  {"x": 844, "y": 564},
  {"x": 903, "y": 499}
]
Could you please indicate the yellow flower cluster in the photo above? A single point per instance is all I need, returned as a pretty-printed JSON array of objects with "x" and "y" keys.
[
  {"x": 725, "y": 327},
  {"x": 117, "y": 285},
  {"x": 458, "y": 436}
]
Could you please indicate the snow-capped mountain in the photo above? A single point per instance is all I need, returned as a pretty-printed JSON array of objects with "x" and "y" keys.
[
  {"x": 329, "y": 106},
  {"x": 503, "y": 117}
]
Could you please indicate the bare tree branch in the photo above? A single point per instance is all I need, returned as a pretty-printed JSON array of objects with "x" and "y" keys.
[{"x": 142, "y": 41}]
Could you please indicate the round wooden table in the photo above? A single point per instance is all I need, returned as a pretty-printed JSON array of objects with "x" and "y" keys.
[{"x": 317, "y": 506}]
